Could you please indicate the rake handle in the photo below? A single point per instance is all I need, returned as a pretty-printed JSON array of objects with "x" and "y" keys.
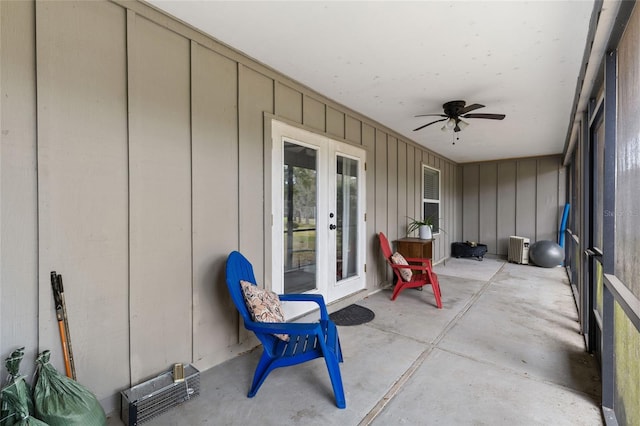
[{"x": 63, "y": 324}]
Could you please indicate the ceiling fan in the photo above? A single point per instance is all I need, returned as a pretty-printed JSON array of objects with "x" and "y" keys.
[{"x": 454, "y": 112}]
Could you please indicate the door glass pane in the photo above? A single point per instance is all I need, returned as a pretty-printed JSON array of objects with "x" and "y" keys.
[
  {"x": 346, "y": 217},
  {"x": 300, "y": 205}
]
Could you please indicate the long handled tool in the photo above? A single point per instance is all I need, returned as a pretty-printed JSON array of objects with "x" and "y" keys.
[{"x": 63, "y": 324}]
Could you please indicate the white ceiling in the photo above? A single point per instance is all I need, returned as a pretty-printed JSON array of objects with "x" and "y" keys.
[{"x": 392, "y": 60}]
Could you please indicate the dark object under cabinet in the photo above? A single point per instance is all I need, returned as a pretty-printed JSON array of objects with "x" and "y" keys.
[{"x": 468, "y": 249}]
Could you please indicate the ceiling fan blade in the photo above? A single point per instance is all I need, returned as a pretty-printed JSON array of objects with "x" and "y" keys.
[
  {"x": 429, "y": 124},
  {"x": 470, "y": 108},
  {"x": 489, "y": 116},
  {"x": 431, "y": 115}
]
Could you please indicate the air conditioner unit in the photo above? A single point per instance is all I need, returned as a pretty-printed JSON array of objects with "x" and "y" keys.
[{"x": 519, "y": 250}]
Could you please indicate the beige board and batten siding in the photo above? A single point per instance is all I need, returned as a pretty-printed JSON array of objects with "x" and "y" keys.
[
  {"x": 153, "y": 164},
  {"x": 19, "y": 305},
  {"x": 288, "y": 103},
  {"x": 83, "y": 187},
  {"x": 471, "y": 203},
  {"x": 214, "y": 109},
  {"x": 488, "y": 199},
  {"x": 451, "y": 209},
  {"x": 353, "y": 130},
  {"x": 373, "y": 258},
  {"x": 526, "y": 199},
  {"x": 549, "y": 203},
  {"x": 256, "y": 95},
  {"x": 410, "y": 193},
  {"x": 392, "y": 189},
  {"x": 335, "y": 123},
  {"x": 314, "y": 113},
  {"x": 402, "y": 187},
  {"x": 523, "y": 197},
  {"x": 380, "y": 212},
  {"x": 160, "y": 198},
  {"x": 506, "y": 207}
]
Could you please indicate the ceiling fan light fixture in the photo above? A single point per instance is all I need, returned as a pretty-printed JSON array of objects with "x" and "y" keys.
[
  {"x": 448, "y": 125},
  {"x": 454, "y": 111}
]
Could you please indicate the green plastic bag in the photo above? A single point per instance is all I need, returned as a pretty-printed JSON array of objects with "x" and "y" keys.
[
  {"x": 15, "y": 397},
  {"x": 61, "y": 401},
  {"x": 17, "y": 405}
]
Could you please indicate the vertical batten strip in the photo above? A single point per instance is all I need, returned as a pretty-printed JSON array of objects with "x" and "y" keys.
[{"x": 131, "y": 48}]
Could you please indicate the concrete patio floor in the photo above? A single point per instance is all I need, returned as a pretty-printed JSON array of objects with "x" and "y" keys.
[{"x": 504, "y": 350}]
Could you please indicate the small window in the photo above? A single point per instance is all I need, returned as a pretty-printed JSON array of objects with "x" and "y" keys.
[{"x": 431, "y": 196}]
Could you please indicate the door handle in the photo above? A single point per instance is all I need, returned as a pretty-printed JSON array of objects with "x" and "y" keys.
[
  {"x": 593, "y": 252},
  {"x": 332, "y": 227}
]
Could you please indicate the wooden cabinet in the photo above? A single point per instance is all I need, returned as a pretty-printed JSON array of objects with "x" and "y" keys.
[{"x": 415, "y": 247}]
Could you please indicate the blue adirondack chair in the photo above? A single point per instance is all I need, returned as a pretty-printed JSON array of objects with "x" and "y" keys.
[{"x": 307, "y": 341}]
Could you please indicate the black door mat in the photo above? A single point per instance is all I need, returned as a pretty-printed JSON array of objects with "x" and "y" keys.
[{"x": 352, "y": 315}]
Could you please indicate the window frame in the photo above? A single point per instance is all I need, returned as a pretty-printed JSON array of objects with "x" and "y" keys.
[{"x": 436, "y": 226}]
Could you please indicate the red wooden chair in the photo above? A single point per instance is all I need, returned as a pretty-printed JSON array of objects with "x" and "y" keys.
[{"x": 421, "y": 272}]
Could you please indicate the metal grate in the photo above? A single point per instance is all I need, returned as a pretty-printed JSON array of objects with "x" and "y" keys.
[
  {"x": 153, "y": 397},
  {"x": 519, "y": 250}
]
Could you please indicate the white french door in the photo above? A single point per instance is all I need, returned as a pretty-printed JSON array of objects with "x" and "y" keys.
[{"x": 318, "y": 216}]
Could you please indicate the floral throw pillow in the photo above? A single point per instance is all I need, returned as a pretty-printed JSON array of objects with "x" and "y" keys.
[
  {"x": 264, "y": 305},
  {"x": 399, "y": 259}
]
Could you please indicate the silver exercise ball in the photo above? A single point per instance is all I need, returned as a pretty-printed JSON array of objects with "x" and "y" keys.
[{"x": 546, "y": 253}]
